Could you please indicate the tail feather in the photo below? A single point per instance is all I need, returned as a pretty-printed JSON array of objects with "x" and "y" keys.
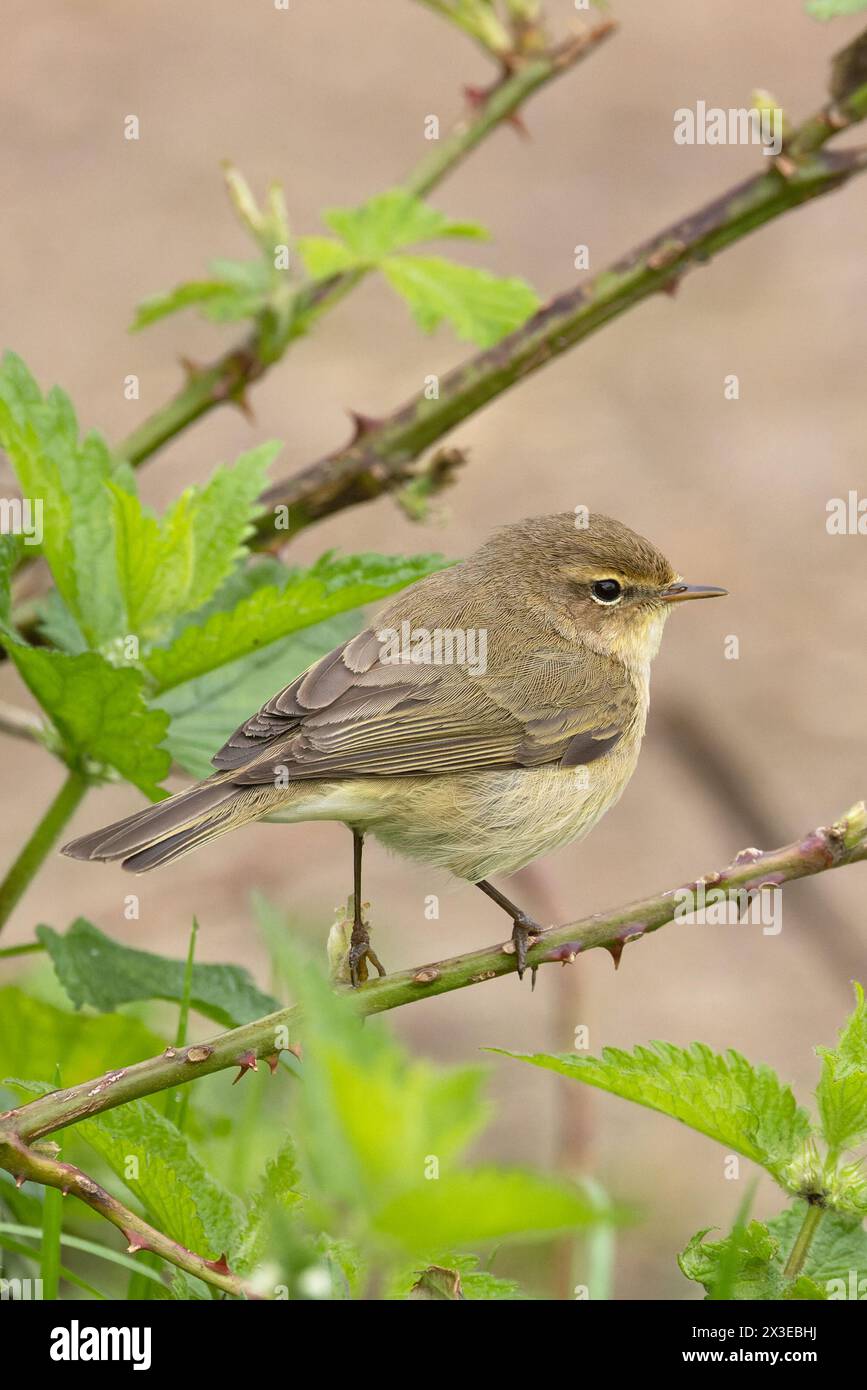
[{"x": 171, "y": 828}]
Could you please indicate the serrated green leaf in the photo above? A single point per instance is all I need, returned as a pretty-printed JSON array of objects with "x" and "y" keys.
[
  {"x": 279, "y": 1186},
  {"x": 332, "y": 586},
  {"x": 95, "y": 970},
  {"x": 369, "y": 1118},
  {"x": 842, "y": 1089},
  {"x": 835, "y": 1266},
  {"x": 834, "y": 9},
  {"x": 173, "y": 566},
  {"x": 746, "y": 1108},
  {"x": 837, "y": 1257},
  {"x": 753, "y": 1265},
  {"x": 35, "y": 1036},
  {"x": 68, "y": 476},
  {"x": 99, "y": 711},
  {"x": 204, "y": 712},
  {"x": 481, "y": 308},
  {"x": 390, "y": 221},
  {"x": 156, "y": 1162}
]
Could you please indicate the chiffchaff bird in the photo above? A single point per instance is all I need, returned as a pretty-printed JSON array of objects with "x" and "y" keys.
[{"x": 493, "y": 712}]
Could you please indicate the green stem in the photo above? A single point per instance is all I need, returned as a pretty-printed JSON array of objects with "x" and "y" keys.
[
  {"x": 225, "y": 379},
  {"x": 40, "y": 844},
  {"x": 381, "y": 452},
  {"x": 845, "y": 842},
  {"x": 803, "y": 1241}
]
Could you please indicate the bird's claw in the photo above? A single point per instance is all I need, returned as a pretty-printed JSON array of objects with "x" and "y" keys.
[
  {"x": 524, "y": 934},
  {"x": 360, "y": 952}
]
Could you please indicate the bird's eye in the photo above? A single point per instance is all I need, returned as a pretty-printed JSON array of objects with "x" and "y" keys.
[{"x": 606, "y": 590}]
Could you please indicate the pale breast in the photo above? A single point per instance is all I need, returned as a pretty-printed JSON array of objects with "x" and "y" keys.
[{"x": 496, "y": 822}]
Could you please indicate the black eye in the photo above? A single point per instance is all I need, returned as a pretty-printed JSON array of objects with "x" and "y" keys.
[{"x": 606, "y": 590}]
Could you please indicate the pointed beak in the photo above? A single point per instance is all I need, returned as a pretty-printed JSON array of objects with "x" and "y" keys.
[{"x": 679, "y": 593}]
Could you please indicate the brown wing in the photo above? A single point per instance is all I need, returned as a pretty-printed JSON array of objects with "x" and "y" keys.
[{"x": 355, "y": 715}]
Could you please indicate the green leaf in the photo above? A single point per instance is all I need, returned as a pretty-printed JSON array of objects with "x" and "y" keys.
[
  {"x": 484, "y": 1204},
  {"x": 159, "y": 1167},
  {"x": 171, "y": 567},
  {"x": 323, "y": 256},
  {"x": 751, "y": 1258},
  {"x": 833, "y": 9},
  {"x": 332, "y": 586},
  {"x": 369, "y": 1118},
  {"x": 835, "y": 1266},
  {"x": 99, "y": 712},
  {"x": 35, "y": 1036},
  {"x": 392, "y": 220},
  {"x": 192, "y": 292},
  {"x": 180, "y": 1196},
  {"x": 11, "y": 550},
  {"x": 57, "y": 625},
  {"x": 95, "y": 970},
  {"x": 68, "y": 476},
  {"x": 746, "y": 1108},
  {"x": 205, "y": 711},
  {"x": 236, "y": 290},
  {"x": 837, "y": 1257},
  {"x": 842, "y": 1089},
  {"x": 278, "y": 1187},
  {"x": 481, "y": 308}
]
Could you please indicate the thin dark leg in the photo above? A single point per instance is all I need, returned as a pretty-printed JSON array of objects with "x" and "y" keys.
[
  {"x": 360, "y": 949},
  {"x": 523, "y": 927}
]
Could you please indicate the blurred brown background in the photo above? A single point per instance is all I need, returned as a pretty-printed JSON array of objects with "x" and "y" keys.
[{"x": 330, "y": 97}]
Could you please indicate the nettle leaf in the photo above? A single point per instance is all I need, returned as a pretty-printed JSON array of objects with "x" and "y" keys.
[
  {"x": 837, "y": 1257},
  {"x": 750, "y": 1262},
  {"x": 371, "y": 1121},
  {"x": 369, "y": 1117},
  {"x": 180, "y": 1196},
  {"x": 392, "y": 220},
  {"x": 481, "y": 308},
  {"x": 833, "y": 9},
  {"x": 205, "y": 711},
  {"x": 68, "y": 477},
  {"x": 156, "y": 1162},
  {"x": 99, "y": 711},
  {"x": 279, "y": 1186},
  {"x": 95, "y": 970},
  {"x": 754, "y": 1259},
  {"x": 173, "y": 566},
  {"x": 746, "y": 1108},
  {"x": 333, "y": 585},
  {"x": 35, "y": 1036},
  {"x": 842, "y": 1089}
]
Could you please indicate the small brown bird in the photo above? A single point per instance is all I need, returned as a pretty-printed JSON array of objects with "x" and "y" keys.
[{"x": 493, "y": 713}]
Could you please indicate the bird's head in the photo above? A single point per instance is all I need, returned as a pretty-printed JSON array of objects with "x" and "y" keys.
[{"x": 596, "y": 580}]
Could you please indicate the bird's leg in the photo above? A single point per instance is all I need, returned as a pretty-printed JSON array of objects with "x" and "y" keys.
[
  {"x": 360, "y": 949},
  {"x": 523, "y": 927}
]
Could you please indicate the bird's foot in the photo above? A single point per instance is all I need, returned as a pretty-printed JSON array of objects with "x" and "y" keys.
[
  {"x": 360, "y": 952},
  {"x": 525, "y": 933}
]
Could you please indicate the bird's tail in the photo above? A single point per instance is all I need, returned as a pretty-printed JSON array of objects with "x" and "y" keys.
[{"x": 173, "y": 827}]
